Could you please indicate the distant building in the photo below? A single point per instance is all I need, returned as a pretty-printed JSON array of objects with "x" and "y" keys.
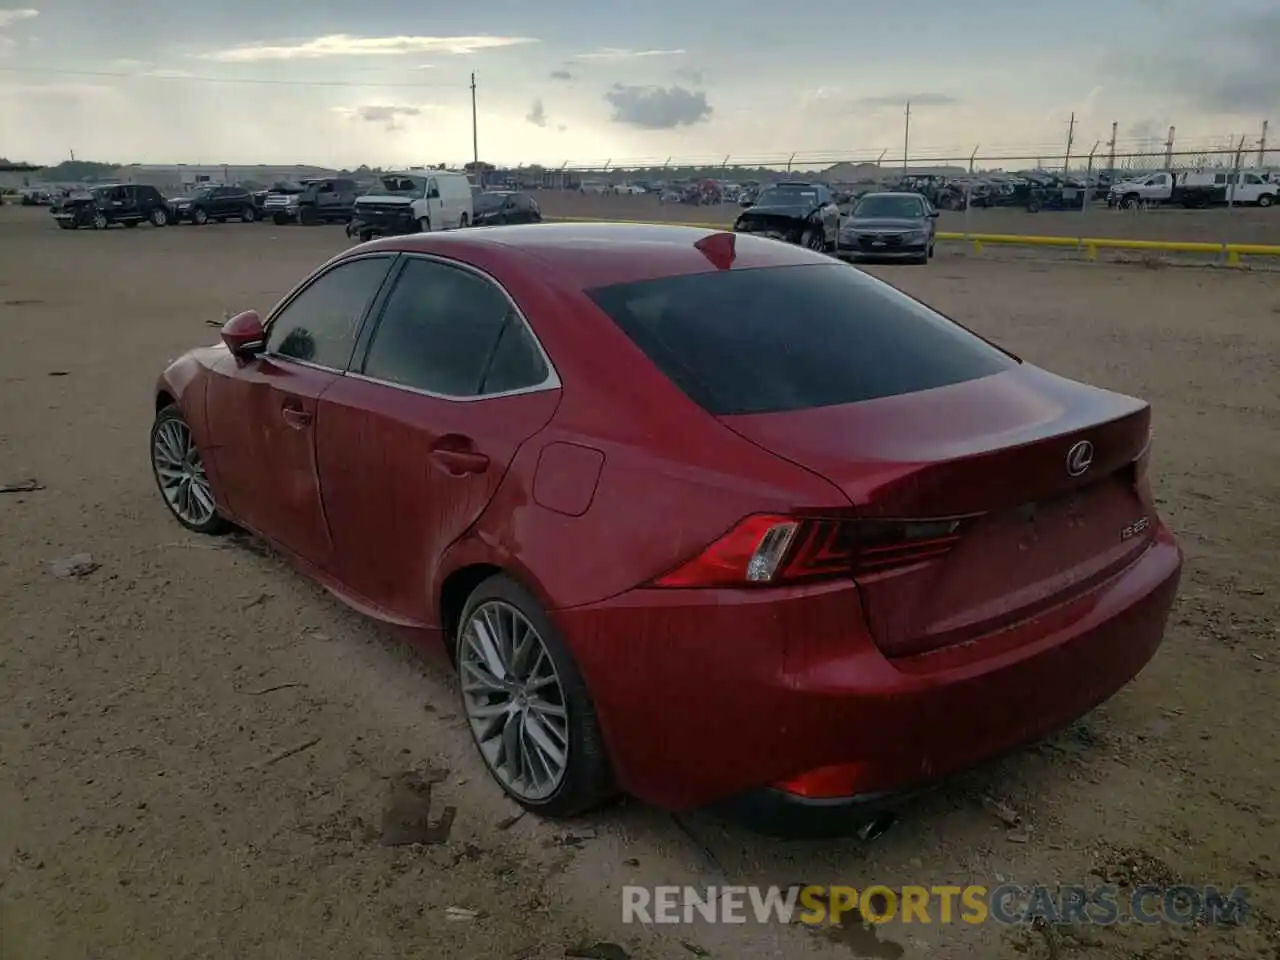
[
  {"x": 15, "y": 176},
  {"x": 178, "y": 177},
  {"x": 876, "y": 173}
]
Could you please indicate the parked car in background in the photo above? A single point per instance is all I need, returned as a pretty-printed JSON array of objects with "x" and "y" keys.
[
  {"x": 99, "y": 207},
  {"x": 504, "y": 206},
  {"x": 320, "y": 200},
  {"x": 214, "y": 204},
  {"x": 416, "y": 201},
  {"x": 698, "y": 516},
  {"x": 889, "y": 226},
  {"x": 36, "y": 197},
  {"x": 794, "y": 211}
]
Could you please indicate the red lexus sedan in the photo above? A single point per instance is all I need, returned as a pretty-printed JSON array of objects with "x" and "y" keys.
[{"x": 703, "y": 518}]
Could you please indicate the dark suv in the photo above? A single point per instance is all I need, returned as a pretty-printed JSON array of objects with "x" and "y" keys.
[
  {"x": 322, "y": 200},
  {"x": 99, "y": 207},
  {"x": 215, "y": 203}
]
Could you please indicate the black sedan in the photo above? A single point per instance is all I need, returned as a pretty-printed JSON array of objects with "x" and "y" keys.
[
  {"x": 889, "y": 226},
  {"x": 503, "y": 206}
]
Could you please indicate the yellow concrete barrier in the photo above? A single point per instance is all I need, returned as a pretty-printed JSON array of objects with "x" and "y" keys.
[{"x": 1232, "y": 252}]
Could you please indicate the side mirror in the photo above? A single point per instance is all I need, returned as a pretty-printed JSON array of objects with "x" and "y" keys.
[
  {"x": 244, "y": 335},
  {"x": 933, "y": 214},
  {"x": 746, "y": 203}
]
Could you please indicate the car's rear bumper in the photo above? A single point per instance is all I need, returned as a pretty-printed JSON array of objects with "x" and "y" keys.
[{"x": 707, "y": 695}]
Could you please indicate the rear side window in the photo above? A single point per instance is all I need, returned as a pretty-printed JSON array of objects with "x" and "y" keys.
[
  {"x": 452, "y": 333},
  {"x": 790, "y": 338}
]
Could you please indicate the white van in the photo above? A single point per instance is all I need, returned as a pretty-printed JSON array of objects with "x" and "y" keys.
[{"x": 415, "y": 201}]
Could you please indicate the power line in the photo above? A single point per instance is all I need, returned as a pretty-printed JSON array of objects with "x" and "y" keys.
[{"x": 259, "y": 81}]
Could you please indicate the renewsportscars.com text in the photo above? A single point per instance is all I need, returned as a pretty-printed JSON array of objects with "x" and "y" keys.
[{"x": 1006, "y": 903}]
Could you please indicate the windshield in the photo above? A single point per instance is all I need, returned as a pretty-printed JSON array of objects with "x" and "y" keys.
[
  {"x": 398, "y": 184},
  {"x": 787, "y": 196},
  {"x": 886, "y": 207},
  {"x": 489, "y": 201}
]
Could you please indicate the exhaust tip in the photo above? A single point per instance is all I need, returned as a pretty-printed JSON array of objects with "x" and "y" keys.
[{"x": 876, "y": 827}]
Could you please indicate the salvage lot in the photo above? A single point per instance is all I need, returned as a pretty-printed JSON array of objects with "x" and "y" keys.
[
  {"x": 1238, "y": 225},
  {"x": 199, "y": 748}
]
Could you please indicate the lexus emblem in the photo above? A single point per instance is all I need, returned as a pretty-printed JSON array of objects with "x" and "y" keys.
[{"x": 1079, "y": 458}]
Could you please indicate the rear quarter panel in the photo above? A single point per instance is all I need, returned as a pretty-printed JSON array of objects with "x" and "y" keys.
[{"x": 672, "y": 479}]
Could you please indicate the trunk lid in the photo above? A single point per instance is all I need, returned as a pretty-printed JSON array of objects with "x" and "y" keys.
[{"x": 1037, "y": 520}]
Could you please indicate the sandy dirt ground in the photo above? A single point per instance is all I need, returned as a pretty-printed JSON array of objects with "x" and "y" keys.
[
  {"x": 1239, "y": 225},
  {"x": 201, "y": 752}
]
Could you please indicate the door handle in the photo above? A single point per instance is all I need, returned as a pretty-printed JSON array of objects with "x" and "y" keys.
[
  {"x": 296, "y": 417},
  {"x": 460, "y": 463}
]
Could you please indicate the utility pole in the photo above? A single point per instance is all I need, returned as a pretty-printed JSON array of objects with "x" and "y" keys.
[
  {"x": 1168, "y": 150},
  {"x": 475, "y": 129},
  {"x": 906, "y": 140},
  {"x": 1262, "y": 144},
  {"x": 1071, "y": 138},
  {"x": 1111, "y": 148}
]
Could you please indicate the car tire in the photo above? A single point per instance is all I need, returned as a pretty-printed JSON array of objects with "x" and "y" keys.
[
  {"x": 464, "y": 222},
  {"x": 279, "y": 219},
  {"x": 200, "y": 217},
  {"x": 814, "y": 240},
  {"x": 366, "y": 236},
  {"x": 66, "y": 225},
  {"x": 585, "y": 779},
  {"x": 100, "y": 221},
  {"x": 173, "y": 448},
  {"x": 424, "y": 224},
  {"x": 159, "y": 218},
  {"x": 1266, "y": 200},
  {"x": 308, "y": 216}
]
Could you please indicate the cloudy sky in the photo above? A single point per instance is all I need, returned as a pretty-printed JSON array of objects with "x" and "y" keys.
[{"x": 387, "y": 81}]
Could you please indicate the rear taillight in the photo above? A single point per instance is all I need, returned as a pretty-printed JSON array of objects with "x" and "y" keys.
[
  {"x": 773, "y": 549},
  {"x": 885, "y": 544}
]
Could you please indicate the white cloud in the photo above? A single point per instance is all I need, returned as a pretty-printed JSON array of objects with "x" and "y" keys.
[
  {"x": 10, "y": 17},
  {"x": 346, "y": 45},
  {"x": 617, "y": 53}
]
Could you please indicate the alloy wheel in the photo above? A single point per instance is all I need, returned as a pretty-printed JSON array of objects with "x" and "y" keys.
[
  {"x": 514, "y": 701},
  {"x": 181, "y": 473},
  {"x": 99, "y": 221}
]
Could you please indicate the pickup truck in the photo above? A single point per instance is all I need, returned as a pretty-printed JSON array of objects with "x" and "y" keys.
[{"x": 1193, "y": 189}]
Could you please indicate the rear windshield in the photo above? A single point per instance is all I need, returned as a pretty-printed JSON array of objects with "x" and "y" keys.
[{"x": 789, "y": 338}]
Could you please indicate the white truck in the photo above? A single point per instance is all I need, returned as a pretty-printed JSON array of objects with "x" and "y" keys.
[{"x": 1194, "y": 188}]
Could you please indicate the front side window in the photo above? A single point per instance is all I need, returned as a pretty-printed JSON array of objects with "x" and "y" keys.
[
  {"x": 320, "y": 324},
  {"x": 453, "y": 333}
]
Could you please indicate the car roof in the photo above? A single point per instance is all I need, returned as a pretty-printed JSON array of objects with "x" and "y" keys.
[
  {"x": 892, "y": 193},
  {"x": 587, "y": 255}
]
